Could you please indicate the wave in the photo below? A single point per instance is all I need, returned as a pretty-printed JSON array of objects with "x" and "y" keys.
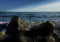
[{"x": 34, "y": 16}]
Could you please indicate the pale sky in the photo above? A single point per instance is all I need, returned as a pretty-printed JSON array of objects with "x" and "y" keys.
[{"x": 30, "y": 5}]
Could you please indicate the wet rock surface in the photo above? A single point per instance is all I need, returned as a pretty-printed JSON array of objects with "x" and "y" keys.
[{"x": 56, "y": 32}]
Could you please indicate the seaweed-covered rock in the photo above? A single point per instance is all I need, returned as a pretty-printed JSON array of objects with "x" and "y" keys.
[
  {"x": 13, "y": 29},
  {"x": 2, "y": 36},
  {"x": 43, "y": 32},
  {"x": 18, "y": 31}
]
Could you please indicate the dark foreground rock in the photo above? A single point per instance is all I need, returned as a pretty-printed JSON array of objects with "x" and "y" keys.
[{"x": 16, "y": 32}]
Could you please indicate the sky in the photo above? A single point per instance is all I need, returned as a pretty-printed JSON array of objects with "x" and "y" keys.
[{"x": 30, "y": 5}]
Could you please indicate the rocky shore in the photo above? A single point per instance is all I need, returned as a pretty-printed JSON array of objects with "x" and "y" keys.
[{"x": 3, "y": 25}]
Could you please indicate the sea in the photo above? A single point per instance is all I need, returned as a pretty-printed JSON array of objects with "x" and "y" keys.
[{"x": 30, "y": 16}]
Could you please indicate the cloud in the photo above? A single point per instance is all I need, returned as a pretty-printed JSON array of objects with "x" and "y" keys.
[{"x": 52, "y": 7}]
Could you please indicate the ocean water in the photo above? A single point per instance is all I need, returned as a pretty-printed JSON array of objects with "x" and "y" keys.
[{"x": 31, "y": 16}]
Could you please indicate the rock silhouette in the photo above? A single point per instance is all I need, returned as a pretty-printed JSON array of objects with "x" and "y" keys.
[{"x": 21, "y": 33}]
